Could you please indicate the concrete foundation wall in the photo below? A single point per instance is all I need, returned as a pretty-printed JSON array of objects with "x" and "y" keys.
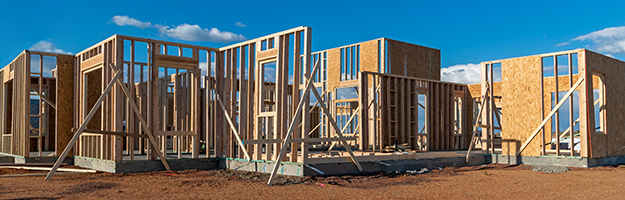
[{"x": 556, "y": 160}]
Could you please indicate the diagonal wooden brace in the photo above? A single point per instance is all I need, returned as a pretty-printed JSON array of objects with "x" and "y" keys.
[
  {"x": 83, "y": 126},
  {"x": 298, "y": 114},
  {"x": 553, "y": 111},
  {"x": 148, "y": 132},
  {"x": 232, "y": 127}
]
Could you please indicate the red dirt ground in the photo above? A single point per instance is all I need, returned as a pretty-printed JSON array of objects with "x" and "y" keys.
[{"x": 479, "y": 182}]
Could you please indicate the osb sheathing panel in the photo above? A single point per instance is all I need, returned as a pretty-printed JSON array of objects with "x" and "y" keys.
[
  {"x": 468, "y": 128},
  {"x": 476, "y": 90},
  {"x": 521, "y": 104},
  {"x": 614, "y": 139},
  {"x": 52, "y": 115},
  {"x": 64, "y": 102},
  {"x": 94, "y": 91},
  {"x": 414, "y": 60},
  {"x": 334, "y": 68},
  {"x": 92, "y": 62},
  {"x": 369, "y": 56}
]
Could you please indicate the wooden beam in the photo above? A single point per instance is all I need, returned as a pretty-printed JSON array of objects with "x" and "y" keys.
[
  {"x": 159, "y": 133},
  {"x": 113, "y": 133},
  {"x": 553, "y": 111}
]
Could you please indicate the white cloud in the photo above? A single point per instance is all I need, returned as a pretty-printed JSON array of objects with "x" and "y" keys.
[
  {"x": 609, "y": 40},
  {"x": 183, "y": 31},
  {"x": 196, "y": 33},
  {"x": 46, "y": 46},
  {"x": 467, "y": 73},
  {"x": 204, "y": 69},
  {"x": 562, "y": 44},
  {"x": 240, "y": 24},
  {"x": 346, "y": 93},
  {"x": 125, "y": 20}
]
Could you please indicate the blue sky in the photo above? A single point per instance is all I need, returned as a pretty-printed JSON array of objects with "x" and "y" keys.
[{"x": 466, "y": 32}]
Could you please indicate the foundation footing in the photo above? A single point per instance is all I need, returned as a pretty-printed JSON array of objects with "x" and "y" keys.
[{"x": 555, "y": 160}]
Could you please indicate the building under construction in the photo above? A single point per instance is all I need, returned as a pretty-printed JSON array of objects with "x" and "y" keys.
[{"x": 270, "y": 104}]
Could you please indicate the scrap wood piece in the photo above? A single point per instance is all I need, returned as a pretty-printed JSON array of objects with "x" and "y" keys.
[
  {"x": 50, "y": 168},
  {"x": 37, "y": 174},
  {"x": 29, "y": 164}
]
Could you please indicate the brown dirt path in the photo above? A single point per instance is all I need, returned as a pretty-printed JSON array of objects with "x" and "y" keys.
[{"x": 505, "y": 182}]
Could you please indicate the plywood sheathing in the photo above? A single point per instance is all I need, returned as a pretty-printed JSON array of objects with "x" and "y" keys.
[
  {"x": 64, "y": 102},
  {"x": 334, "y": 68},
  {"x": 609, "y": 144},
  {"x": 414, "y": 60},
  {"x": 369, "y": 57},
  {"x": 93, "y": 83},
  {"x": 521, "y": 97}
]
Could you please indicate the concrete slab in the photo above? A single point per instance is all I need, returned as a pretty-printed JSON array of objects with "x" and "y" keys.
[
  {"x": 7, "y": 159},
  {"x": 286, "y": 168},
  {"x": 10, "y": 158},
  {"x": 146, "y": 165},
  {"x": 392, "y": 165},
  {"x": 565, "y": 161}
]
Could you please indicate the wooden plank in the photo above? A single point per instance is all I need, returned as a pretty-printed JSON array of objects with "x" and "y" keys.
[
  {"x": 219, "y": 87},
  {"x": 251, "y": 120},
  {"x": 195, "y": 109},
  {"x": 49, "y": 168},
  {"x": 258, "y": 89},
  {"x": 297, "y": 71},
  {"x": 279, "y": 94},
  {"x": 177, "y": 133},
  {"x": 571, "y": 121},
  {"x": 243, "y": 127},
  {"x": 363, "y": 114},
  {"x": 307, "y": 75},
  {"x": 113, "y": 133},
  {"x": 330, "y": 139}
]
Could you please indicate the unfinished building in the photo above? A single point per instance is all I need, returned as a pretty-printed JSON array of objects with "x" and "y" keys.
[
  {"x": 561, "y": 108},
  {"x": 270, "y": 104},
  {"x": 32, "y": 126},
  {"x": 174, "y": 110}
]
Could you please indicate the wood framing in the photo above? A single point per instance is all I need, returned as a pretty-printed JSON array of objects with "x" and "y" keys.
[
  {"x": 31, "y": 123},
  {"x": 531, "y": 99}
]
